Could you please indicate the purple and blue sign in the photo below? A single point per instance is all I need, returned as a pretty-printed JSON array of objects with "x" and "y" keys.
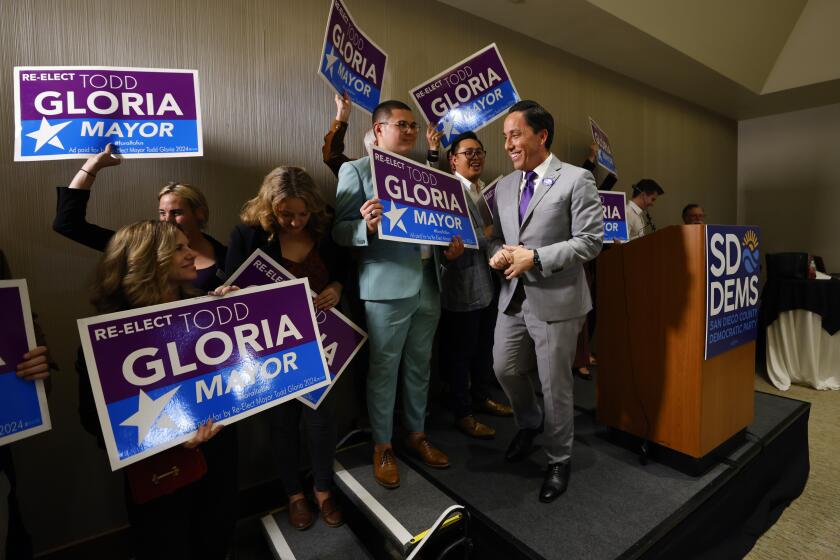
[
  {"x": 615, "y": 219},
  {"x": 160, "y": 372},
  {"x": 467, "y": 96},
  {"x": 489, "y": 194},
  {"x": 350, "y": 61},
  {"x": 605, "y": 156},
  {"x": 732, "y": 268},
  {"x": 340, "y": 337},
  {"x": 420, "y": 204},
  {"x": 66, "y": 112},
  {"x": 23, "y": 404}
]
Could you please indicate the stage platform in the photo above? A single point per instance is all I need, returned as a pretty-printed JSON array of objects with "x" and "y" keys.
[{"x": 615, "y": 507}]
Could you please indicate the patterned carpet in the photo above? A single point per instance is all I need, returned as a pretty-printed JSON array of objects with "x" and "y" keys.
[{"x": 810, "y": 527}]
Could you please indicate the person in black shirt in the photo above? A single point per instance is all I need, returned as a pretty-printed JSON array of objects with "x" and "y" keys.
[{"x": 178, "y": 203}]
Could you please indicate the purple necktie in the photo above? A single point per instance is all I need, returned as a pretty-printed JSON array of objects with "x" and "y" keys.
[{"x": 527, "y": 194}]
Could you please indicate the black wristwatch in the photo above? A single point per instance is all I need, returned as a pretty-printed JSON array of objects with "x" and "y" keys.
[
  {"x": 432, "y": 156},
  {"x": 537, "y": 262}
]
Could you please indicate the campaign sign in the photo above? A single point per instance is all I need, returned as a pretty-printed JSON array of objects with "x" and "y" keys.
[
  {"x": 159, "y": 372},
  {"x": 732, "y": 269},
  {"x": 605, "y": 155},
  {"x": 421, "y": 204},
  {"x": 489, "y": 194},
  {"x": 340, "y": 337},
  {"x": 467, "y": 96},
  {"x": 350, "y": 61},
  {"x": 615, "y": 219},
  {"x": 23, "y": 404},
  {"x": 65, "y": 112}
]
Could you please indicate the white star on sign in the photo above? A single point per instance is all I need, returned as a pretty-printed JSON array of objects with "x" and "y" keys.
[
  {"x": 331, "y": 58},
  {"x": 449, "y": 129},
  {"x": 47, "y": 134},
  {"x": 395, "y": 217},
  {"x": 148, "y": 411}
]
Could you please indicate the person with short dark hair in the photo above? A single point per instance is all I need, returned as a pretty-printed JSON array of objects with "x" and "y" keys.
[
  {"x": 468, "y": 315},
  {"x": 399, "y": 285},
  {"x": 547, "y": 222},
  {"x": 693, "y": 214},
  {"x": 639, "y": 222}
]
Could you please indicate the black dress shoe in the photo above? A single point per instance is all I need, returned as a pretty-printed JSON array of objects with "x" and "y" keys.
[
  {"x": 521, "y": 445},
  {"x": 556, "y": 481}
]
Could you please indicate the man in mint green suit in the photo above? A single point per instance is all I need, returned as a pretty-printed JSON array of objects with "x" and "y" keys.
[{"x": 398, "y": 283}]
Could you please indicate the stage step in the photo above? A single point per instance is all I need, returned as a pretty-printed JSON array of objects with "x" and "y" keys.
[
  {"x": 318, "y": 542},
  {"x": 406, "y": 515}
]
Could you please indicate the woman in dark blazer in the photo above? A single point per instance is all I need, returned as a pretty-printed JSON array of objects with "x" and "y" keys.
[
  {"x": 178, "y": 203},
  {"x": 290, "y": 222},
  {"x": 186, "y": 207},
  {"x": 149, "y": 263}
]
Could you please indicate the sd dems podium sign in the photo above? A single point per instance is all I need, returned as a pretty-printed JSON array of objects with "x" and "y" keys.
[
  {"x": 159, "y": 372},
  {"x": 732, "y": 269},
  {"x": 64, "y": 112}
]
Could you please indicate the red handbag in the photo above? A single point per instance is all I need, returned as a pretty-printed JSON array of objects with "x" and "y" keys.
[{"x": 165, "y": 473}]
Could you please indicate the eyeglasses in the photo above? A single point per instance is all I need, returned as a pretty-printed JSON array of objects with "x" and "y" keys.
[
  {"x": 404, "y": 126},
  {"x": 470, "y": 154}
]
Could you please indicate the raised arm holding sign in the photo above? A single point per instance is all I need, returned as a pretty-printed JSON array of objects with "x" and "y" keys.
[{"x": 350, "y": 61}]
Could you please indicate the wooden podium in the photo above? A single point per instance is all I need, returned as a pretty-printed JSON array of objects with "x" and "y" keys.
[{"x": 652, "y": 379}]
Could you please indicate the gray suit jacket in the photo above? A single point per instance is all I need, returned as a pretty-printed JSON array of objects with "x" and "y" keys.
[
  {"x": 467, "y": 282},
  {"x": 564, "y": 222}
]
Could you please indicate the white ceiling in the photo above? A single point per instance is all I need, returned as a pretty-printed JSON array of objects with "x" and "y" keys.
[{"x": 739, "y": 58}]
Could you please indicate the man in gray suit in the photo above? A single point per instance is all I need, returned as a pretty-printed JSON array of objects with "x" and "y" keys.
[{"x": 548, "y": 221}]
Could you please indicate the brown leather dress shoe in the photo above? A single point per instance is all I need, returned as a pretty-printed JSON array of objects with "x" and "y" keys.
[
  {"x": 385, "y": 468},
  {"x": 418, "y": 443},
  {"x": 473, "y": 428},
  {"x": 300, "y": 515},
  {"x": 495, "y": 408},
  {"x": 331, "y": 514}
]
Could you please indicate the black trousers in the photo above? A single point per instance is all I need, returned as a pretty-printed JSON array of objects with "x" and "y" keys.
[
  {"x": 197, "y": 521},
  {"x": 466, "y": 355},
  {"x": 322, "y": 433}
]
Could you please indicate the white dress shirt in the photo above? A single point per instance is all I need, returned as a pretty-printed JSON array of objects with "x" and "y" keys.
[{"x": 636, "y": 222}]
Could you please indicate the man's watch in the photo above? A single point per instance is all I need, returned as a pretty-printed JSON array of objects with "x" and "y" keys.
[{"x": 537, "y": 261}]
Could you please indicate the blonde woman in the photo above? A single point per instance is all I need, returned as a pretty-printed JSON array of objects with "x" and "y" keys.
[
  {"x": 178, "y": 203},
  {"x": 148, "y": 263},
  {"x": 290, "y": 222}
]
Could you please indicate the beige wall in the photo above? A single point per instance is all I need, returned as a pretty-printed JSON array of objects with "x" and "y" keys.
[
  {"x": 789, "y": 181},
  {"x": 263, "y": 105}
]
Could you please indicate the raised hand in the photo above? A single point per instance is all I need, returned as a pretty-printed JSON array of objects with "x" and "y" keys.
[
  {"x": 342, "y": 107},
  {"x": 433, "y": 136}
]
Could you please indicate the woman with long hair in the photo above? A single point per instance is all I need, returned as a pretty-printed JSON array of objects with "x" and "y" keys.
[
  {"x": 178, "y": 203},
  {"x": 289, "y": 220},
  {"x": 148, "y": 263}
]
